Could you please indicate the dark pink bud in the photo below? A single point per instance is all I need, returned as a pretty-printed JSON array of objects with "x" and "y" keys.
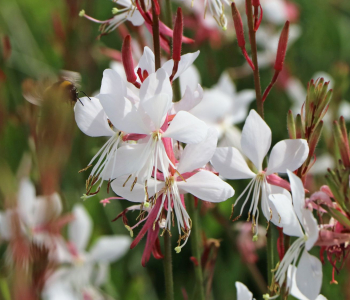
[
  {"x": 128, "y": 62},
  {"x": 282, "y": 47},
  {"x": 237, "y": 20},
  {"x": 177, "y": 35},
  {"x": 156, "y": 6}
]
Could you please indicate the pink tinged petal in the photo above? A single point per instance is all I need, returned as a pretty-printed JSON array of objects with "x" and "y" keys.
[
  {"x": 109, "y": 248},
  {"x": 91, "y": 118},
  {"x": 207, "y": 186},
  {"x": 112, "y": 83},
  {"x": 321, "y": 198},
  {"x": 156, "y": 83},
  {"x": 189, "y": 100},
  {"x": 186, "y": 61},
  {"x": 330, "y": 238},
  {"x": 229, "y": 162},
  {"x": 157, "y": 107},
  {"x": 275, "y": 180},
  {"x": 309, "y": 276},
  {"x": 123, "y": 114},
  {"x": 311, "y": 228},
  {"x": 26, "y": 201},
  {"x": 79, "y": 230},
  {"x": 196, "y": 156},
  {"x": 242, "y": 292},
  {"x": 186, "y": 128},
  {"x": 298, "y": 194},
  {"x": 146, "y": 62},
  {"x": 256, "y": 139},
  {"x": 289, "y": 220},
  {"x": 287, "y": 155}
]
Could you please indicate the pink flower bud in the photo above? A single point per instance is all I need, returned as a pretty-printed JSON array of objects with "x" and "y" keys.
[
  {"x": 282, "y": 47},
  {"x": 177, "y": 35},
  {"x": 128, "y": 61}
]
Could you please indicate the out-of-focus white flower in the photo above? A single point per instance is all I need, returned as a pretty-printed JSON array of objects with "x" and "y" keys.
[
  {"x": 35, "y": 214},
  {"x": 222, "y": 107},
  {"x": 242, "y": 292},
  {"x": 296, "y": 220},
  {"x": 255, "y": 143},
  {"x": 82, "y": 272}
]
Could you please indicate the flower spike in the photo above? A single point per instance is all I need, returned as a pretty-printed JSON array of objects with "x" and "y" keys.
[
  {"x": 281, "y": 54},
  {"x": 128, "y": 62},
  {"x": 237, "y": 20}
]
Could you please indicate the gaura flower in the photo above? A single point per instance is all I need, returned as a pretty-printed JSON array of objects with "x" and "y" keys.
[
  {"x": 166, "y": 192},
  {"x": 83, "y": 272},
  {"x": 222, "y": 106},
  {"x": 242, "y": 292},
  {"x": 255, "y": 143},
  {"x": 298, "y": 221}
]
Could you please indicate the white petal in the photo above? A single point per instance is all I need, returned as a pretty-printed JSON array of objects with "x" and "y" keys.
[
  {"x": 5, "y": 226},
  {"x": 112, "y": 83},
  {"x": 109, "y": 248},
  {"x": 292, "y": 285},
  {"x": 289, "y": 220},
  {"x": 298, "y": 194},
  {"x": 287, "y": 155},
  {"x": 190, "y": 99},
  {"x": 242, "y": 292},
  {"x": 47, "y": 208},
  {"x": 185, "y": 62},
  {"x": 26, "y": 201},
  {"x": 231, "y": 138},
  {"x": 186, "y": 128},
  {"x": 146, "y": 62},
  {"x": 321, "y": 297},
  {"x": 138, "y": 193},
  {"x": 156, "y": 83},
  {"x": 242, "y": 101},
  {"x": 189, "y": 79},
  {"x": 196, "y": 156},
  {"x": 226, "y": 84},
  {"x": 79, "y": 230},
  {"x": 207, "y": 186},
  {"x": 157, "y": 107},
  {"x": 256, "y": 139},
  {"x": 229, "y": 162},
  {"x": 309, "y": 276},
  {"x": 311, "y": 228},
  {"x": 136, "y": 18},
  {"x": 91, "y": 118},
  {"x": 123, "y": 114}
]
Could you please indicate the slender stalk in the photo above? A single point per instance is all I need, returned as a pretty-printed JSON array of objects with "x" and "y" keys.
[
  {"x": 156, "y": 36},
  {"x": 252, "y": 38},
  {"x": 195, "y": 245},
  {"x": 168, "y": 267},
  {"x": 272, "y": 256}
]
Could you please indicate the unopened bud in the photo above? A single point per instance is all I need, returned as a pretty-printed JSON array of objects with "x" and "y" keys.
[
  {"x": 177, "y": 35},
  {"x": 282, "y": 47},
  {"x": 128, "y": 62},
  {"x": 82, "y": 13}
]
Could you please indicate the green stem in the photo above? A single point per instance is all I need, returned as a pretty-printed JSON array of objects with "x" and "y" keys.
[
  {"x": 272, "y": 256},
  {"x": 168, "y": 14},
  {"x": 252, "y": 37},
  {"x": 195, "y": 245},
  {"x": 168, "y": 267}
]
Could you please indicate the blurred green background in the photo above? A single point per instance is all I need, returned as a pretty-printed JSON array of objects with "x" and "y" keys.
[{"x": 47, "y": 36}]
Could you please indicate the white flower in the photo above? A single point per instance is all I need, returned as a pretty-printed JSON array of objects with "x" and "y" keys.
[
  {"x": 222, "y": 106},
  {"x": 298, "y": 221},
  {"x": 34, "y": 212},
  {"x": 147, "y": 118},
  {"x": 83, "y": 272},
  {"x": 242, "y": 292},
  {"x": 186, "y": 179},
  {"x": 255, "y": 143}
]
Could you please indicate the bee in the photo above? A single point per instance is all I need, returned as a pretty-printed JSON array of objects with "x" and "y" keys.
[{"x": 65, "y": 88}]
